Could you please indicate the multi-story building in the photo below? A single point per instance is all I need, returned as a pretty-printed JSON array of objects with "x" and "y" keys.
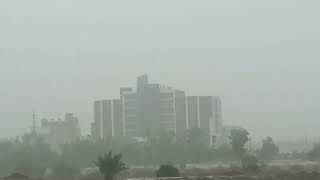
[
  {"x": 58, "y": 132},
  {"x": 152, "y": 108}
]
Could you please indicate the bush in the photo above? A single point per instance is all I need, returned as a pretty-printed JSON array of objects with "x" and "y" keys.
[
  {"x": 168, "y": 170},
  {"x": 250, "y": 163}
]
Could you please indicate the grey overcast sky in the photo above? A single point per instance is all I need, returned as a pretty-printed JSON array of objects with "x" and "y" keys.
[{"x": 261, "y": 57}]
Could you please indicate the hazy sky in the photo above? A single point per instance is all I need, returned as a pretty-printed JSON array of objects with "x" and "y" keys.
[{"x": 261, "y": 57}]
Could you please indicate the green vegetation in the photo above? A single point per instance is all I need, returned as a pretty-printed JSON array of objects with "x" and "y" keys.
[
  {"x": 30, "y": 155},
  {"x": 238, "y": 138},
  {"x": 110, "y": 165},
  {"x": 269, "y": 149},
  {"x": 314, "y": 154},
  {"x": 250, "y": 162},
  {"x": 168, "y": 170}
]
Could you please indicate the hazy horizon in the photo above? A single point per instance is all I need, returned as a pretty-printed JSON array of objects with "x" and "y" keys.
[{"x": 261, "y": 58}]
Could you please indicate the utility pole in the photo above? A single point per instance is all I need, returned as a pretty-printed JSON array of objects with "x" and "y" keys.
[{"x": 34, "y": 121}]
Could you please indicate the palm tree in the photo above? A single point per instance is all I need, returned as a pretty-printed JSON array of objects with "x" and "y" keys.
[{"x": 110, "y": 165}]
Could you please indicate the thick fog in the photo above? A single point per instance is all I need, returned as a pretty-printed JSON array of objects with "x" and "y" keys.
[{"x": 261, "y": 57}]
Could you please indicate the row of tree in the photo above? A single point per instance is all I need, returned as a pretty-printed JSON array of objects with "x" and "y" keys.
[
  {"x": 109, "y": 165},
  {"x": 249, "y": 159},
  {"x": 32, "y": 156}
]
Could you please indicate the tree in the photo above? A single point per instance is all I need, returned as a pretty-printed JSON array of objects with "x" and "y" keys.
[
  {"x": 161, "y": 148},
  {"x": 223, "y": 152},
  {"x": 33, "y": 156},
  {"x": 6, "y": 157},
  {"x": 110, "y": 165},
  {"x": 314, "y": 154},
  {"x": 269, "y": 149},
  {"x": 168, "y": 170},
  {"x": 239, "y": 137},
  {"x": 249, "y": 162}
]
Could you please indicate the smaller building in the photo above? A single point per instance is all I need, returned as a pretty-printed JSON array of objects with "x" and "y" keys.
[{"x": 58, "y": 132}]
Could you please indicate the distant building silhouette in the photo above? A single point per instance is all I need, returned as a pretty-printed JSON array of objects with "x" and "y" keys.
[
  {"x": 57, "y": 132},
  {"x": 150, "y": 109}
]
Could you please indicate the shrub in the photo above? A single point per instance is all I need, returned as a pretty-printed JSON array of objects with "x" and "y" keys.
[{"x": 168, "y": 170}]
